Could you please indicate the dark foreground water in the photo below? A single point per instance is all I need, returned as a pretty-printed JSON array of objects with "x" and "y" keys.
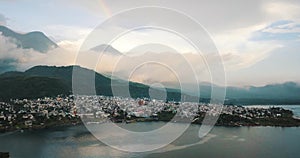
[{"x": 225, "y": 142}]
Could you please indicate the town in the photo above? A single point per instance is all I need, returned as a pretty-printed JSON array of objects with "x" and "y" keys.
[
  {"x": 20, "y": 114},
  {"x": 37, "y": 114}
]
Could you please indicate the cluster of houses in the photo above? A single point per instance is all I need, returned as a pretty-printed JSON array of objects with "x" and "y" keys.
[
  {"x": 27, "y": 113},
  {"x": 22, "y": 113},
  {"x": 104, "y": 107},
  {"x": 255, "y": 112}
]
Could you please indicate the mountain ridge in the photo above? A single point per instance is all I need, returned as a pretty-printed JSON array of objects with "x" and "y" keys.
[
  {"x": 107, "y": 49},
  {"x": 64, "y": 76},
  {"x": 269, "y": 94},
  {"x": 35, "y": 40}
]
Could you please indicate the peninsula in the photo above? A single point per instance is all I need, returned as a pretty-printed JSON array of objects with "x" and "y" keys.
[{"x": 73, "y": 110}]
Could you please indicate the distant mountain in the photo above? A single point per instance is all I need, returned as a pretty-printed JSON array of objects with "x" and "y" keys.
[
  {"x": 285, "y": 93},
  {"x": 59, "y": 81},
  {"x": 42, "y": 81},
  {"x": 106, "y": 49},
  {"x": 32, "y": 40}
]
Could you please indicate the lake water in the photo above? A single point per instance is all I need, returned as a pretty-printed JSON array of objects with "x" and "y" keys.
[{"x": 225, "y": 142}]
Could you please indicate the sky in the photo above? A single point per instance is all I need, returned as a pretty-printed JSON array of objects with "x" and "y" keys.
[{"x": 257, "y": 40}]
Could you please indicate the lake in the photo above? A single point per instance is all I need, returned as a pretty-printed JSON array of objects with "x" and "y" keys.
[{"x": 225, "y": 142}]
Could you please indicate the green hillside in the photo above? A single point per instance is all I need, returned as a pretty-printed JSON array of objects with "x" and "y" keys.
[
  {"x": 30, "y": 87},
  {"x": 42, "y": 81}
]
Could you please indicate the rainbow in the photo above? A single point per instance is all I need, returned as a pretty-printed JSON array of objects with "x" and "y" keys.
[{"x": 107, "y": 11}]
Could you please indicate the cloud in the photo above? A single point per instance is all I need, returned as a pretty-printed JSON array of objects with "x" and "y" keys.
[
  {"x": 166, "y": 67},
  {"x": 240, "y": 51},
  {"x": 283, "y": 27},
  {"x": 283, "y": 10},
  {"x": 245, "y": 35},
  {"x": 7, "y": 65},
  {"x": 222, "y": 15},
  {"x": 3, "y": 19},
  {"x": 231, "y": 27},
  {"x": 14, "y": 58},
  {"x": 65, "y": 32},
  {"x": 281, "y": 31}
]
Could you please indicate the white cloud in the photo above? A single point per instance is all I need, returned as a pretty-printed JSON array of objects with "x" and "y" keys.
[
  {"x": 236, "y": 51},
  {"x": 289, "y": 27},
  {"x": 3, "y": 19},
  {"x": 26, "y": 58},
  {"x": 283, "y": 10},
  {"x": 64, "y": 32},
  {"x": 237, "y": 45},
  {"x": 231, "y": 26}
]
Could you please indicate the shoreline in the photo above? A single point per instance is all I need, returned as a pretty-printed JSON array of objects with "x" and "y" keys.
[
  {"x": 232, "y": 125},
  {"x": 47, "y": 113}
]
